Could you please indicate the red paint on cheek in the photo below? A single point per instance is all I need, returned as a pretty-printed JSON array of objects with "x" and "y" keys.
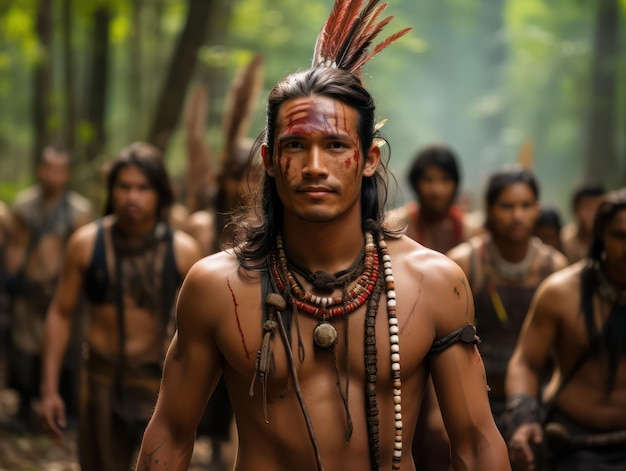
[
  {"x": 348, "y": 162},
  {"x": 356, "y": 156}
]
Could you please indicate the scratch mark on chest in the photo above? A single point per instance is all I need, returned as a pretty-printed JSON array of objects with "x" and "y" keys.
[{"x": 236, "y": 305}]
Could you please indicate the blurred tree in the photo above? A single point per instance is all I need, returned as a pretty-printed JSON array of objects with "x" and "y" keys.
[
  {"x": 98, "y": 83},
  {"x": 179, "y": 74},
  {"x": 68, "y": 75},
  {"x": 42, "y": 80},
  {"x": 601, "y": 157}
]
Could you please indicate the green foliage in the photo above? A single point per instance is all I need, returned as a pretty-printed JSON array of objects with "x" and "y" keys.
[{"x": 481, "y": 75}]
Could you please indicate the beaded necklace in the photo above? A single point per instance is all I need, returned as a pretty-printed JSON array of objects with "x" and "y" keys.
[
  {"x": 357, "y": 295},
  {"x": 512, "y": 271},
  {"x": 606, "y": 290}
]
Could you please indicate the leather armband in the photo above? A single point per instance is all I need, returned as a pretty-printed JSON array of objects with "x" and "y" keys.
[
  {"x": 521, "y": 409},
  {"x": 466, "y": 335}
]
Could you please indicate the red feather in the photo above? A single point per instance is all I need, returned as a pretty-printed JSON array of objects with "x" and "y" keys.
[{"x": 347, "y": 36}]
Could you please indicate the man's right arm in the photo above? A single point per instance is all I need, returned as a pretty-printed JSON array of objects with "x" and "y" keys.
[
  {"x": 58, "y": 326},
  {"x": 523, "y": 375},
  {"x": 192, "y": 368}
]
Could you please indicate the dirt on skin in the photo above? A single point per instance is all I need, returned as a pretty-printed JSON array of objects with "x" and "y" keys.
[{"x": 39, "y": 452}]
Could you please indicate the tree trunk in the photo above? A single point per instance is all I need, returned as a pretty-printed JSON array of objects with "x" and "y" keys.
[
  {"x": 135, "y": 89},
  {"x": 98, "y": 85},
  {"x": 68, "y": 72},
  {"x": 217, "y": 77},
  {"x": 601, "y": 152},
  {"x": 42, "y": 80},
  {"x": 180, "y": 71}
]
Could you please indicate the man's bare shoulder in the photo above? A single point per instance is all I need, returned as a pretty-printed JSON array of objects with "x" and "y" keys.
[
  {"x": 200, "y": 218},
  {"x": 462, "y": 253},
  {"x": 185, "y": 242},
  {"x": 563, "y": 283},
  {"x": 85, "y": 235},
  {"x": 437, "y": 282},
  {"x": 419, "y": 257},
  {"x": 215, "y": 267}
]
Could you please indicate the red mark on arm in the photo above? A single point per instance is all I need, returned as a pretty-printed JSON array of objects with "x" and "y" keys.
[{"x": 243, "y": 340}]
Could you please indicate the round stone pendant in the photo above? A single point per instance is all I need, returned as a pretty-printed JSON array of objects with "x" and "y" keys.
[{"x": 325, "y": 335}]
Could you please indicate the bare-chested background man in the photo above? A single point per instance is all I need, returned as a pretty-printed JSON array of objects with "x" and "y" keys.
[
  {"x": 129, "y": 266},
  {"x": 339, "y": 387},
  {"x": 578, "y": 316},
  {"x": 504, "y": 267},
  {"x": 43, "y": 218}
]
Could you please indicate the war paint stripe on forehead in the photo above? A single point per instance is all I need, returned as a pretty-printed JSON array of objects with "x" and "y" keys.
[{"x": 308, "y": 116}]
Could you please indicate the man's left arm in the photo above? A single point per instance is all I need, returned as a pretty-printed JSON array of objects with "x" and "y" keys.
[{"x": 460, "y": 382}]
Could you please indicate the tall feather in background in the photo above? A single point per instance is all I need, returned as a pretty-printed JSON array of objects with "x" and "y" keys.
[
  {"x": 200, "y": 175},
  {"x": 346, "y": 39},
  {"x": 240, "y": 102}
]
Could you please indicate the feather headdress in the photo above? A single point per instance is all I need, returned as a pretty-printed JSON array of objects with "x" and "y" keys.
[{"x": 346, "y": 38}]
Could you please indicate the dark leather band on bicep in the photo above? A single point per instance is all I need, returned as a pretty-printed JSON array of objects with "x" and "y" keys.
[{"x": 466, "y": 335}]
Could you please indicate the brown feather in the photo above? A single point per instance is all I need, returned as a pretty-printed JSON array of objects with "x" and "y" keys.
[
  {"x": 382, "y": 45},
  {"x": 343, "y": 28},
  {"x": 348, "y": 34},
  {"x": 240, "y": 102},
  {"x": 200, "y": 172}
]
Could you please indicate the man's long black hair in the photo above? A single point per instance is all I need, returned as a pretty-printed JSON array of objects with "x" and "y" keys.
[{"x": 612, "y": 337}]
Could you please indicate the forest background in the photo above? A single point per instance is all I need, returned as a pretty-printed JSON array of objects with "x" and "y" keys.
[{"x": 495, "y": 79}]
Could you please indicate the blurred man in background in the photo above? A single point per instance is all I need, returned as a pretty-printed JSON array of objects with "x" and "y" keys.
[
  {"x": 576, "y": 236},
  {"x": 43, "y": 218},
  {"x": 129, "y": 266},
  {"x": 578, "y": 316},
  {"x": 504, "y": 267}
]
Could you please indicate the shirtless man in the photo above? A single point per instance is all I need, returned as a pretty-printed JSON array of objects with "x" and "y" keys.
[
  {"x": 43, "y": 218},
  {"x": 504, "y": 267},
  {"x": 434, "y": 220},
  {"x": 578, "y": 316},
  {"x": 289, "y": 337},
  {"x": 576, "y": 236},
  {"x": 129, "y": 265}
]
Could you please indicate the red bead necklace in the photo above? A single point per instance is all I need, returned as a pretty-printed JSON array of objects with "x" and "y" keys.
[{"x": 326, "y": 306}]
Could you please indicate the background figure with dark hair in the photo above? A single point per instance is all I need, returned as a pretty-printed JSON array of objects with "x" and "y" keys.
[
  {"x": 300, "y": 317},
  {"x": 504, "y": 267},
  {"x": 578, "y": 317},
  {"x": 548, "y": 227},
  {"x": 576, "y": 236},
  {"x": 434, "y": 220},
  {"x": 43, "y": 218},
  {"x": 129, "y": 265}
]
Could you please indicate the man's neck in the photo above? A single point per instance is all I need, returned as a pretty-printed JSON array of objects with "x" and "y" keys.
[
  {"x": 430, "y": 216},
  {"x": 135, "y": 229},
  {"x": 50, "y": 198},
  {"x": 330, "y": 247},
  {"x": 513, "y": 252},
  {"x": 615, "y": 274}
]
